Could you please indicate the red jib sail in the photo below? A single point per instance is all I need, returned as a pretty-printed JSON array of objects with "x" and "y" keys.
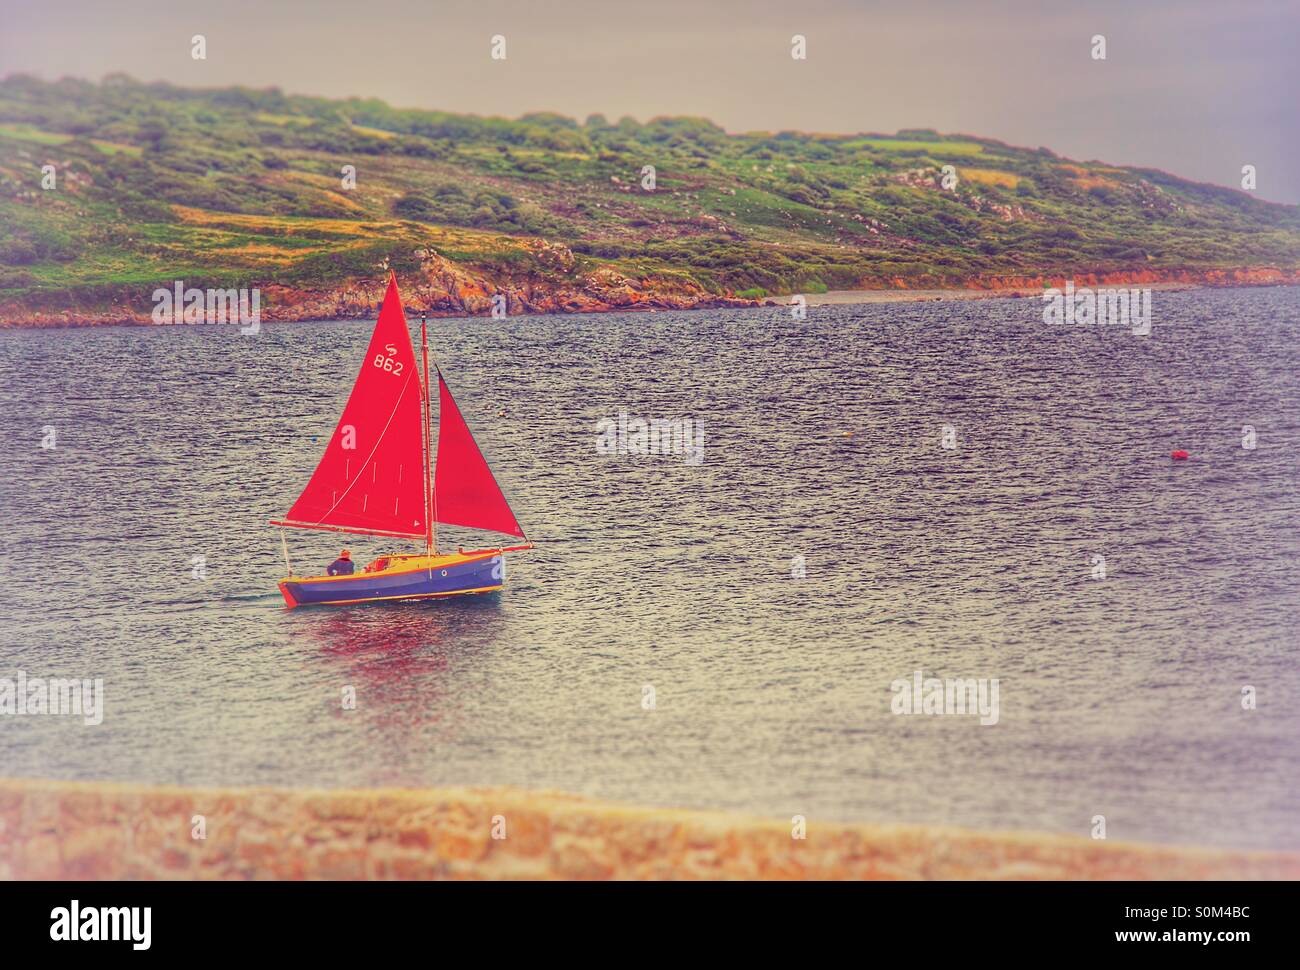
[
  {"x": 372, "y": 477},
  {"x": 465, "y": 493}
]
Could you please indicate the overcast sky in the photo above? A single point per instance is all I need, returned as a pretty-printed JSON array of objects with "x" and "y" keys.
[{"x": 1199, "y": 87}]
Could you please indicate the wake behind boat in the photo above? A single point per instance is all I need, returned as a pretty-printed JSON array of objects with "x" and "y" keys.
[{"x": 375, "y": 479}]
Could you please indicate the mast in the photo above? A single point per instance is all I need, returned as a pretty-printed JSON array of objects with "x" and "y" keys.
[{"x": 430, "y": 497}]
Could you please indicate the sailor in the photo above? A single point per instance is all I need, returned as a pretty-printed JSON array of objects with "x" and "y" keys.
[{"x": 342, "y": 566}]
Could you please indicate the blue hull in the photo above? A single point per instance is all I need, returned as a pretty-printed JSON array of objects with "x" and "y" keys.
[{"x": 476, "y": 576}]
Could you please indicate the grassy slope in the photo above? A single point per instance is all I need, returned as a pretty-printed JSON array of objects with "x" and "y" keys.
[{"x": 242, "y": 187}]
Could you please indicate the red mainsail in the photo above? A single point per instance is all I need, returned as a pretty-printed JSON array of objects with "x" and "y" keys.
[
  {"x": 372, "y": 477},
  {"x": 465, "y": 493}
]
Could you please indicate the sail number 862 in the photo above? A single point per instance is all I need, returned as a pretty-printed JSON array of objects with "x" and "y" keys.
[{"x": 388, "y": 364}]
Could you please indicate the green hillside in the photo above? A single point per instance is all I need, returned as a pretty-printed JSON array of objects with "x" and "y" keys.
[{"x": 242, "y": 187}]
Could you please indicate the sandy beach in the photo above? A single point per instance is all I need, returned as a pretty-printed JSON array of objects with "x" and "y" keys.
[{"x": 67, "y": 830}]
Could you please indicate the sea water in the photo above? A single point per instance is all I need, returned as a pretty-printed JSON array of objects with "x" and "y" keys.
[{"x": 951, "y": 488}]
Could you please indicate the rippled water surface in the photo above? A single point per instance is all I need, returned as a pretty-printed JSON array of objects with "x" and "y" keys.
[{"x": 1118, "y": 696}]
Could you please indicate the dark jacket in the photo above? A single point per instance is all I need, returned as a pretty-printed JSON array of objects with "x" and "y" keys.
[{"x": 340, "y": 567}]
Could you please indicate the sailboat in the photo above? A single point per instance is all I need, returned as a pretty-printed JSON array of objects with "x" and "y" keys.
[{"x": 376, "y": 479}]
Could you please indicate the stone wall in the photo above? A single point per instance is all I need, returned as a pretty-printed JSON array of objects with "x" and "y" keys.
[{"x": 59, "y": 830}]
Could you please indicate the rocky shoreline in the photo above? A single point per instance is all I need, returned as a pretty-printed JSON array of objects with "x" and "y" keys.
[
  {"x": 93, "y": 830},
  {"x": 445, "y": 289}
]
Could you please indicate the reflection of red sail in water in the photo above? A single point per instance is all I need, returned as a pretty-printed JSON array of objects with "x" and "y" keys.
[{"x": 374, "y": 479}]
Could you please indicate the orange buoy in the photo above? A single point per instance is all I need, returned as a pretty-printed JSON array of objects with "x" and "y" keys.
[{"x": 1179, "y": 455}]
